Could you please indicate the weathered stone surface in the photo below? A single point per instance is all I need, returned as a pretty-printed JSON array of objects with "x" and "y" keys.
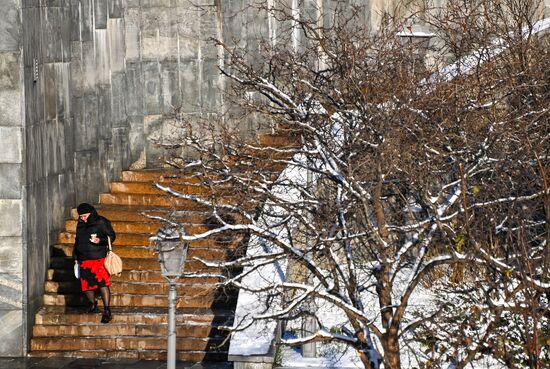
[
  {"x": 132, "y": 23},
  {"x": 134, "y": 90},
  {"x": 86, "y": 21},
  {"x": 136, "y": 144},
  {"x": 10, "y": 27},
  {"x": 76, "y": 23},
  {"x": 34, "y": 158},
  {"x": 86, "y": 112},
  {"x": 101, "y": 57},
  {"x": 115, "y": 33},
  {"x": 155, "y": 3},
  {"x": 251, "y": 364},
  {"x": 33, "y": 99},
  {"x": 10, "y": 183},
  {"x": 158, "y": 36},
  {"x": 101, "y": 13},
  {"x": 234, "y": 25},
  {"x": 88, "y": 78},
  {"x": 9, "y": 70},
  {"x": 11, "y": 290},
  {"x": 152, "y": 91},
  {"x": 152, "y": 125},
  {"x": 54, "y": 139},
  {"x": 69, "y": 146},
  {"x": 11, "y": 218},
  {"x": 170, "y": 88},
  {"x": 53, "y": 3},
  {"x": 190, "y": 85},
  {"x": 55, "y": 33},
  {"x": 63, "y": 94},
  {"x": 121, "y": 151},
  {"x": 11, "y": 144},
  {"x": 11, "y": 255},
  {"x": 211, "y": 93},
  {"x": 87, "y": 177},
  {"x": 31, "y": 25},
  {"x": 117, "y": 8},
  {"x": 105, "y": 121},
  {"x": 10, "y": 108},
  {"x": 50, "y": 93},
  {"x": 58, "y": 202},
  {"x": 118, "y": 100},
  {"x": 11, "y": 333}
]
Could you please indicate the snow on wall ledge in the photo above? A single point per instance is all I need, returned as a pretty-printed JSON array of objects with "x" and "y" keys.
[
  {"x": 465, "y": 65},
  {"x": 255, "y": 337}
]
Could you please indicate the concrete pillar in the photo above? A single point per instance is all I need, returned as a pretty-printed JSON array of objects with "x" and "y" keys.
[
  {"x": 12, "y": 302},
  {"x": 251, "y": 365},
  {"x": 309, "y": 327}
]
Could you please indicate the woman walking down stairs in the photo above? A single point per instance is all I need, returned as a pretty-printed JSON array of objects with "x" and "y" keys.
[{"x": 139, "y": 295}]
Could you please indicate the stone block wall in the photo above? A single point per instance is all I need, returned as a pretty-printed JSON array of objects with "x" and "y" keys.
[
  {"x": 171, "y": 67},
  {"x": 12, "y": 268}
]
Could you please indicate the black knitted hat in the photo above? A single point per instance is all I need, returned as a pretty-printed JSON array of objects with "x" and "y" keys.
[{"x": 85, "y": 208}]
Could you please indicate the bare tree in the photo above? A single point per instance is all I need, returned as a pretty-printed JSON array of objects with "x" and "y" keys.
[{"x": 415, "y": 199}]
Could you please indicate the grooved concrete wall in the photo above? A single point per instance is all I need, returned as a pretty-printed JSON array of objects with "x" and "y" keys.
[{"x": 75, "y": 130}]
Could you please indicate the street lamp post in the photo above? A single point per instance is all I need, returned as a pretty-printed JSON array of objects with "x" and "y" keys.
[{"x": 172, "y": 253}]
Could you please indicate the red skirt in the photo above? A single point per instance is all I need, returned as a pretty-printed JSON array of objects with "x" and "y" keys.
[{"x": 93, "y": 275}]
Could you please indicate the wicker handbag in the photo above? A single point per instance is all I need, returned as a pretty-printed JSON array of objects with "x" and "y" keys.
[{"x": 113, "y": 262}]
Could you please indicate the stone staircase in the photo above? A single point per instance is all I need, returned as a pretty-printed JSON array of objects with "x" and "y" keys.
[{"x": 139, "y": 295}]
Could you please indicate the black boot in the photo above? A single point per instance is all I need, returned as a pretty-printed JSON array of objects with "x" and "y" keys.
[
  {"x": 106, "y": 317},
  {"x": 92, "y": 308}
]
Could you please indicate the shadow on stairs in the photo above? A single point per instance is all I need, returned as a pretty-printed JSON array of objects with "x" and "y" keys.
[{"x": 139, "y": 295}]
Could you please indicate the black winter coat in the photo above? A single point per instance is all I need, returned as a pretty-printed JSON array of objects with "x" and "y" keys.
[{"x": 86, "y": 250}]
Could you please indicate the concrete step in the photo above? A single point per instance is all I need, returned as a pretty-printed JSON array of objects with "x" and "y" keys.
[
  {"x": 199, "y": 298},
  {"x": 124, "y": 343},
  {"x": 133, "y": 213},
  {"x": 63, "y": 263},
  {"x": 142, "y": 354},
  {"x": 145, "y": 276},
  {"x": 174, "y": 202},
  {"x": 145, "y": 252},
  {"x": 195, "y": 178},
  {"x": 122, "y": 226},
  {"x": 96, "y": 329},
  {"x": 143, "y": 239},
  {"x": 62, "y": 315},
  {"x": 150, "y": 189},
  {"x": 148, "y": 200},
  {"x": 184, "y": 287},
  {"x": 66, "y": 275},
  {"x": 147, "y": 228},
  {"x": 123, "y": 213},
  {"x": 280, "y": 140},
  {"x": 246, "y": 163},
  {"x": 163, "y": 176}
]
